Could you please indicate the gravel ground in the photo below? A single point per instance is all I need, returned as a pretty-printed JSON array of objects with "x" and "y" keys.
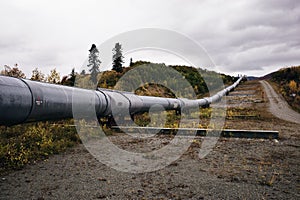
[
  {"x": 278, "y": 106},
  {"x": 235, "y": 169}
]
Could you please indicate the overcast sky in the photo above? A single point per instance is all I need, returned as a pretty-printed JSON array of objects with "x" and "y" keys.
[{"x": 252, "y": 37}]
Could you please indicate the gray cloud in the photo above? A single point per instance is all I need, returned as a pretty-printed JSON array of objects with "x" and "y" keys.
[{"x": 251, "y": 37}]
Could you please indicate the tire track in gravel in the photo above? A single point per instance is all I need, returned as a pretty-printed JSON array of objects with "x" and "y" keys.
[{"x": 278, "y": 106}]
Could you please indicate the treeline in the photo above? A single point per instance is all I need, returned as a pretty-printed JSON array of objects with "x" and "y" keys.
[
  {"x": 288, "y": 80},
  {"x": 194, "y": 76},
  {"x": 94, "y": 63},
  {"x": 109, "y": 79},
  {"x": 38, "y": 75}
]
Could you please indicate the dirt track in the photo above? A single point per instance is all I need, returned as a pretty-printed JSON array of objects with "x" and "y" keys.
[
  {"x": 235, "y": 169},
  {"x": 278, "y": 106}
]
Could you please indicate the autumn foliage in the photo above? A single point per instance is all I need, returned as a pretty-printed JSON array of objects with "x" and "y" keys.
[{"x": 288, "y": 81}]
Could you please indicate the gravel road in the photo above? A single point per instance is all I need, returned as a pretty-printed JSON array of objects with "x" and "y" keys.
[{"x": 278, "y": 106}]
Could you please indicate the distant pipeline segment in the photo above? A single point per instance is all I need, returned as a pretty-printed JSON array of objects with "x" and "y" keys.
[{"x": 23, "y": 101}]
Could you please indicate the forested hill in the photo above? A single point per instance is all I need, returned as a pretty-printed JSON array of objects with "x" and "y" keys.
[
  {"x": 192, "y": 75},
  {"x": 175, "y": 77}
]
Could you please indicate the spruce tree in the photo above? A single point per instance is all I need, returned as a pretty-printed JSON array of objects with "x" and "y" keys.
[
  {"x": 117, "y": 58},
  {"x": 94, "y": 63},
  {"x": 72, "y": 77},
  {"x": 82, "y": 72},
  {"x": 131, "y": 62}
]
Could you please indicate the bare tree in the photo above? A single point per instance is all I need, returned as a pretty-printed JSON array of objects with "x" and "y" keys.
[
  {"x": 37, "y": 75},
  {"x": 53, "y": 77}
]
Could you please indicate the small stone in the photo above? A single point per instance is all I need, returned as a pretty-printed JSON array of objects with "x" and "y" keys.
[
  {"x": 101, "y": 196},
  {"x": 236, "y": 179},
  {"x": 140, "y": 191},
  {"x": 102, "y": 179}
]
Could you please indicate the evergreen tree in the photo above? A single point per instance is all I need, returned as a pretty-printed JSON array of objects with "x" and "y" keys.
[
  {"x": 117, "y": 58},
  {"x": 70, "y": 79},
  {"x": 94, "y": 63},
  {"x": 82, "y": 72},
  {"x": 131, "y": 63}
]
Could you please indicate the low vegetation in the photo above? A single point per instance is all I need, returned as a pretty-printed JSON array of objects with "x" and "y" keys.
[
  {"x": 287, "y": 81},
  {"x": 22, "y": 144}
]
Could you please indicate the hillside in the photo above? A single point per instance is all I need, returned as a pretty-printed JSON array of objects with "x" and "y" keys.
[
  {"x": 192, "y": 75},
  {"x": 287, "y": 82}
]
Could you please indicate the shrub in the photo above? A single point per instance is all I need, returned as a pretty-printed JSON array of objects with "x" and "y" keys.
[{"x": 22, "y": 144}]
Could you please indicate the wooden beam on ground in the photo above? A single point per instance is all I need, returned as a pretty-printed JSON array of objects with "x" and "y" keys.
[{"x": 259, "y": 134}]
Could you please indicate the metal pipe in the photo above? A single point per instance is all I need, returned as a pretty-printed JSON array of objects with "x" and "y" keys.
[{"x": 23, "y": 100}]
